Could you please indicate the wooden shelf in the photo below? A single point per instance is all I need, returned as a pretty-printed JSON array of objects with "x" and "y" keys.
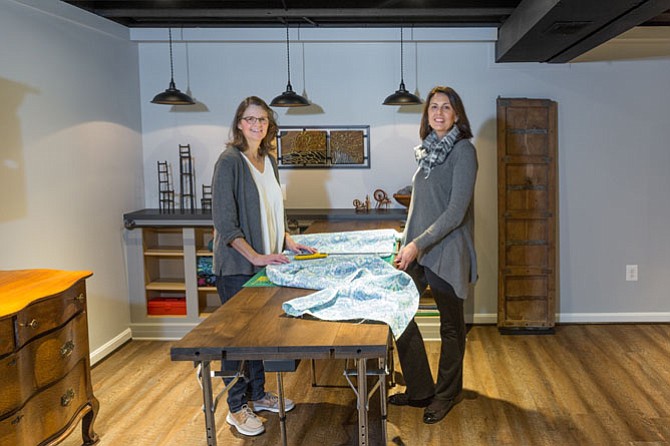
[
  {"x": 166, "y": 285},
  {"x": 164, "y": 316},
  {"x": 165, "y": 251},
  {"x": 204, "y": 253},
  {"x": 207, "y": 289}
]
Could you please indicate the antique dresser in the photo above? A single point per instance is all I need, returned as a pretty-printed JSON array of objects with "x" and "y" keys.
[{"x": 44, "y": 358}]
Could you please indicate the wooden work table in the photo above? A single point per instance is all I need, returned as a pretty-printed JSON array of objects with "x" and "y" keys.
[{"x": 253, "y": 326}]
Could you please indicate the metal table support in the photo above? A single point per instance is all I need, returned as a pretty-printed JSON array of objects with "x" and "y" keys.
[{"x": 363, "y": 396}]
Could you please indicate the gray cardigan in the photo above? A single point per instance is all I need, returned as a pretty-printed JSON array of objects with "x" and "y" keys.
[
  {"x": 441, "y": 218},
  {"x": 236, "y": 212}
]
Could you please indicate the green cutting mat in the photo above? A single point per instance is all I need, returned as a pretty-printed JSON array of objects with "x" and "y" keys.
[{"x": 259, "y": 280}]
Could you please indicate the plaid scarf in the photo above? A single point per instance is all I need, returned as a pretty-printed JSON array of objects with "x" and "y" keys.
[{"x": 434, "y": 151}]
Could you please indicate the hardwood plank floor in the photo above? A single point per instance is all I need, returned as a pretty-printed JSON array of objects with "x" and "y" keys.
[{"x": 584, "y": 385}]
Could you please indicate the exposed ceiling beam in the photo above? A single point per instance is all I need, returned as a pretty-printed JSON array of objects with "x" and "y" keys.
[
  {"x": 635, "y": 17},
  {"x": 304, "y": 12},
  {"x": 559, "y": 30}
]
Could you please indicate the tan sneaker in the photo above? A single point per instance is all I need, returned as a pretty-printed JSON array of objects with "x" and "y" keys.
[
  {"x": 271, "y": 402},
  {"x": 245, "y": 421}
]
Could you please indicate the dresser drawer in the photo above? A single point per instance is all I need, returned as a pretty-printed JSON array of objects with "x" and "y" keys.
[
  {"x": 6, "y": 335},
  {"x": 48, "y": 412},
  {"x": 50, "y": 313},
  {"x": 42, "y": 362},
  {"x": 10, "y": 390},
  {"x": 12, "y": 430}
]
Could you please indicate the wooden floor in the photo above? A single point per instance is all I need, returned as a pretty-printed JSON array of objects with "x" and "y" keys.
[{"x": 584, "y": 385}]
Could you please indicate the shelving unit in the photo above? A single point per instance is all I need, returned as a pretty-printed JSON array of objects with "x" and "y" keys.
[
  {"x": 163, "y": 251},
  {"x": 162, "y": 264}
]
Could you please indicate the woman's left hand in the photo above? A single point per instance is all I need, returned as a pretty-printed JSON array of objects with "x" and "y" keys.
[{"x": 297, "y": 247}]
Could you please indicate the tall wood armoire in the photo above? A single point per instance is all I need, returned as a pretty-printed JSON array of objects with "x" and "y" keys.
[{"x": 527, "y": 215}]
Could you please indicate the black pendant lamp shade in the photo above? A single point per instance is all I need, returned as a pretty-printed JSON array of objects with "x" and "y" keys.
[
  {"x": 172, "y": 96},
  {"x": 289, "y": 98},
  {"x": 401, "y": 95}
]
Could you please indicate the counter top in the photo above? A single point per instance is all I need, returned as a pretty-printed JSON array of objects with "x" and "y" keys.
[{"x": 155, "y": 217}]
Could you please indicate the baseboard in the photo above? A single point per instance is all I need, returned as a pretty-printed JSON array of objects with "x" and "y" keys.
[
  {"x": 102, "y": 352},
  {"x": 429, "y": 325},
  {"x": 161, "y": 331},
  {"x": 613, "y": 318}
]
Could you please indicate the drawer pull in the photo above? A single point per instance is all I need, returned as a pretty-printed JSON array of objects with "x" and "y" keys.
[
  {"x": 32, "y": 324},
  {"x": 81, "y": 298},
  {"x": 67, "y": 398},
  {"x": 17, "y": 420},
  {"x": 66, "y": 349}
]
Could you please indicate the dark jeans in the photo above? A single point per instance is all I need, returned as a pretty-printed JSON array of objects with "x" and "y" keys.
[
  {"x": 250, "y": 386},
  {"x": 412, "y": 352}
]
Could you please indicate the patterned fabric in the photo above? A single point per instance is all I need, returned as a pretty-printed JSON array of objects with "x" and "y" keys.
[
  {"x": 351, "y": 287},
  {"x": 381, "y": 242},
  {"x": 205, "y": 272},
  {"x": 434, "y": 151}
]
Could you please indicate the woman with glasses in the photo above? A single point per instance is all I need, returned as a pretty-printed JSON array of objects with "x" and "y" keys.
[
  {"x": 439, "y": 251},
  {"x": 250, "y": 233}
]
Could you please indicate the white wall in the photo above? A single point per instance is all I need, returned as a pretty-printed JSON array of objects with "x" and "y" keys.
[
  {"x": 71, "y": 155},
  {"x": 613, "y": 133}
]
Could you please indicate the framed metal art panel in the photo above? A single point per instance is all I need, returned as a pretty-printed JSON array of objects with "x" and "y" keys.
[{"x": 323, "y": 147}]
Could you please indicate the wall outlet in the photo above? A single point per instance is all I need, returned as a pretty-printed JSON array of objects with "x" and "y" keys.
[{"x": 631, "y": 273}]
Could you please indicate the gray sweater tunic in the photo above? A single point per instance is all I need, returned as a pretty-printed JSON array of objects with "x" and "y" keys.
[
  {"x": 236, "y": 212},
  {"x": 441, "y": 218}
]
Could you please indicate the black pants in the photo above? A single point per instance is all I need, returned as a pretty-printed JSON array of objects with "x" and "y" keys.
[{"x": 412, "y": 352}]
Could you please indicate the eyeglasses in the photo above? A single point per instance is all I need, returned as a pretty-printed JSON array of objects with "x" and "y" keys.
[{"x": 253, "y": 120}]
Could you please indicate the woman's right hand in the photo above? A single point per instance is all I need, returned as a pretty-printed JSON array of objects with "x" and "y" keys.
[
  {"x": 240, "y": 245},
  {"x": 407, "y": 255},
  {"x": 270, "y": 259}
]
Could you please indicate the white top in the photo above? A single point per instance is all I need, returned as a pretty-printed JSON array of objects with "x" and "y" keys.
[{"x": 272, "y": 207}]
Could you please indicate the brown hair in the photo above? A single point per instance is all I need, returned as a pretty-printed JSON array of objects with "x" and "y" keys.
[
  {"x": 237, "y": 137},
  {"x": 462, "y": 121}
]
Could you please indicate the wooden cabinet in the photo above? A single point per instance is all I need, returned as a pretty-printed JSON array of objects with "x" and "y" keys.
[
  {"x": 44, "y": 358},
  {"x": 527, "y": 214}
]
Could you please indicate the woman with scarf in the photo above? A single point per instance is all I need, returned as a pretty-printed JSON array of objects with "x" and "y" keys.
[{"x": 438, "y": 251}]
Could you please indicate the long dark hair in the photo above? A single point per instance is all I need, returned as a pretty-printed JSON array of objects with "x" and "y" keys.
[
  {"x": 462, "y": 121},
  {"x": 237, "y": 138}
]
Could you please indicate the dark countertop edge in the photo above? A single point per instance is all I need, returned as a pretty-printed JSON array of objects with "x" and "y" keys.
[{"x": 154, "y": 217}]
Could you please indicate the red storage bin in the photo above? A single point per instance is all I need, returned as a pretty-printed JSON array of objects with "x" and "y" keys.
[{"x": 167, "y": 306}]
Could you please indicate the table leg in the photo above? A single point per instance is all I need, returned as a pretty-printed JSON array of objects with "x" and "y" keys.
[
  {"x": 382, "y": 396},
  {"x": 313, "y": 361},
  {"x": 282, "y": 409},
  {"x": 210, "y": 424},
  {"x": 362, "y": 402}
]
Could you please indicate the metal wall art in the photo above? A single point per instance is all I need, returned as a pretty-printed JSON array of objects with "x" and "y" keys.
[{"x": 324, "y": 147}]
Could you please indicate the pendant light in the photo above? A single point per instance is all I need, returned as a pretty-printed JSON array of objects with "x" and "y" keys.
[
  {"x": 289, "y": 98},
  {"x": 172, "y": 96},
  {"x": 402, "y": 96}
]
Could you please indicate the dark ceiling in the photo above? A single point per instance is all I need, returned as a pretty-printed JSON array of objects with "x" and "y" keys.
[{"x": 553, "y": 31}]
